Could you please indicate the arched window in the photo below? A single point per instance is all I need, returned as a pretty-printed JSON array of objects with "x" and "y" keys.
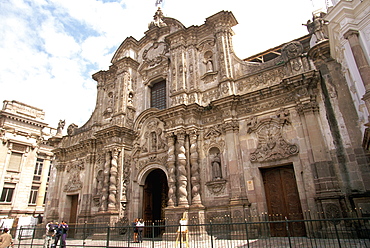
[{"x": 158, "y": 95}]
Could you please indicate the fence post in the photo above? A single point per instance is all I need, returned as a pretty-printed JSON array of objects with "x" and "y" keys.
[
  {"x": 33, "y": 235},
  {"x": 108, "y": 235},
  {"x": 19, "y": 236},
  {"x": 246, "y": 231},
  {"x": 210, "y": 231},
  {"x": 153, "y": 234},
  {"x": 84, "y": 234},
  {"x": 336, "y": 232},
  {"x": 288, "y": 232}
]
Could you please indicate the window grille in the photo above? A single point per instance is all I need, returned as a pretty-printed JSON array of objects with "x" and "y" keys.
[{"x": 158, "y": 95}]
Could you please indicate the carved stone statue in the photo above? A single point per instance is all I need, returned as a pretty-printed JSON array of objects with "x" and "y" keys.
[
  {"x": 208, "y": 61},
  {"x": 216, "y": 167},
  {"x": 316, "y": 26},
  {"x": 60, "y": 128}
]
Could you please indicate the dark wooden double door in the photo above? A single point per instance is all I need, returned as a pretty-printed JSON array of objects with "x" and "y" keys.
[{"x": 283, "y": 201}]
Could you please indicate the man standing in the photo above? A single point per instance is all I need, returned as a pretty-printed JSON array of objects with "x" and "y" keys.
[{"x": 6, "y": 239}]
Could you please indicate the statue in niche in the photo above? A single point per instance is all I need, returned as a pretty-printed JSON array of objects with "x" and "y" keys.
[
  {"x": 130, "y": 96},
  {"x": 144, "y": 147},
  {"x": 208, "y": 61},
  {"x": 216, "y": 167},
  {"x": 154, "y": 142}
]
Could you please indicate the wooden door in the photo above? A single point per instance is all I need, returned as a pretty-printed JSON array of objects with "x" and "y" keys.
[{"x": 283, "y": 200}]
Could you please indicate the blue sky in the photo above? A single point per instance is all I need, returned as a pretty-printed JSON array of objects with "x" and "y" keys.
[{"x": 50, "y": 48}]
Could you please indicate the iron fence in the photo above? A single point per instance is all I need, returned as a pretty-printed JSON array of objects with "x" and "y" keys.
[{"x": 252, "y": 232}]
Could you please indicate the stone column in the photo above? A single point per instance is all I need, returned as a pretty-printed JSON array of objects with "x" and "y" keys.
[
  {"x": 54, "y": 210},
  {"x": 112, "y": 200},
  {"x": 234, "y": 170},
  {"x": 171, "y": 171},
  {"x": 361, "y": 62},
  {"x": 181, "y": 172},
  {"x": 195, "y": 177},
  {"x": 104, "y": 197},
  {"x": 42, "y": 189},
  {"x": 325, "y": 171},
  {"x": 359, "y": 56}
]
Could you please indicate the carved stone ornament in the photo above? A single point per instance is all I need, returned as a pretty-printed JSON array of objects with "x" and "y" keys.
[
  {"x": 156, "y": 53},
  {"x": 74, "y": 182},
  {"x": 152, "y": 138},
  {"x": 292, "y": 50},
  {"x": 209, "y": 77},
  {"x": 71, "y": 129},
  {"x": 216, "y": 187},
  {"x": 271, "y": 144}
]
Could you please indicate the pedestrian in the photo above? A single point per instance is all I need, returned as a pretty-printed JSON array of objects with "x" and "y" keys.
[
  {"x": 64, "y": 229},
  {"x": 6, "y": 239},
  {"x": 57, "y": 234},
  {"x": 50, "y": 227},
  {"x": 140, "y": 227},
  {"x": 135, "y": 229}
]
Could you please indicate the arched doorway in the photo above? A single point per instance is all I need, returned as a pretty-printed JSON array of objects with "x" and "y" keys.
[{"x": 155, "y": 199}]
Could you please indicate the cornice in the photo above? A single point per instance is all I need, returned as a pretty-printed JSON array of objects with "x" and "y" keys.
[{"x": 23, "y": 119}]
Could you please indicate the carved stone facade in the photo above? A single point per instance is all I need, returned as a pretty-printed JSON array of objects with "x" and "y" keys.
[{"x": 226, "y": 124}]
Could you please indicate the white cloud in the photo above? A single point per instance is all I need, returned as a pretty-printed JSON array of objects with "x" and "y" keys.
[{"x": 50, "y": 48}]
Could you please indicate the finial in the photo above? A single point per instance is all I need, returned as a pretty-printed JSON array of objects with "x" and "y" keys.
[{"x": 158, "y": 19}]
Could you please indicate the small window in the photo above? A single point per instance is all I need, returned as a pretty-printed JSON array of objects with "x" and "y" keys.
[
  {"x": 15, "y": 161},
  {"x": 45, "y": 196},
  {"x": 38, "y": 169},
  {"x": 33, "y": 195},
  {"x": 7, "y": 193},
  {"x": 158, "y": 95}
]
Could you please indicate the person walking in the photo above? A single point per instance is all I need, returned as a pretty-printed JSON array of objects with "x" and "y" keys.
[{"x": 6, "y": 239}]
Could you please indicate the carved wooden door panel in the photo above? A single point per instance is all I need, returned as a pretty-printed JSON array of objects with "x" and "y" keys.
[
  {"x": 283, "y": 200},
  {"x": 73, "y": 215}
]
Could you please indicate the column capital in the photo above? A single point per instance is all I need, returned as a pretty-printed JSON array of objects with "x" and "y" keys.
[{"x": 349, "y": 33}]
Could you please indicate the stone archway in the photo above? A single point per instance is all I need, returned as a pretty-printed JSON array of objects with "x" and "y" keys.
[{"x": 155, "y": 198}]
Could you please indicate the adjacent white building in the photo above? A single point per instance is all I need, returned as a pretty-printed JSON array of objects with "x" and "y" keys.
[
  {"x": 25, "y": 160},
  {"x": 349, "y": 37}
]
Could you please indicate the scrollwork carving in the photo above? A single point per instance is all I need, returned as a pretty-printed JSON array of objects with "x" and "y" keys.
[{"x": 271, "y": 144}]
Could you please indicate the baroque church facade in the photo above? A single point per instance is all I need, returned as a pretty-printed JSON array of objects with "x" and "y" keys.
[{"x": 181, "y": 124}]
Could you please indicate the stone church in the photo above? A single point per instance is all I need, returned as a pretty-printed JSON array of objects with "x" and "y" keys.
[{"x": 181, "y": 124}]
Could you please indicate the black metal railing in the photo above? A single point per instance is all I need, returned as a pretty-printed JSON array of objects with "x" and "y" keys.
[{"x": 251, "y": 232}]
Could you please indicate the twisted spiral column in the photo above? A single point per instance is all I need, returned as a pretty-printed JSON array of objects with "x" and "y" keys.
[
  {"x": 171, "y": 171},
  {"x": 181, "y": 172},
  {"x": 195, "y": 176}
]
